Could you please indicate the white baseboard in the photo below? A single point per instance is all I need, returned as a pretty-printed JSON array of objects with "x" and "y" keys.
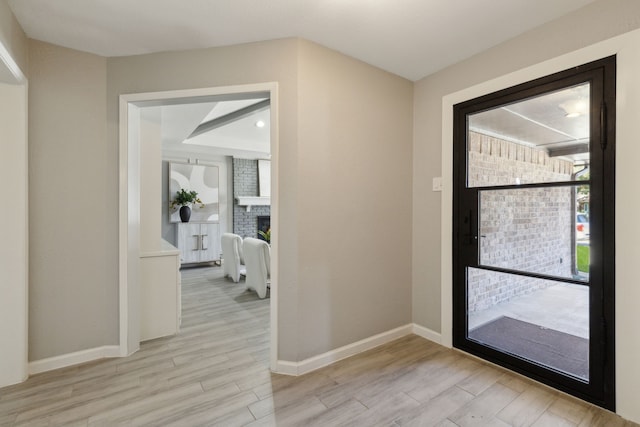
[
  {"x": 286, "y": 368},
  {"x": 427, "y": 333},
  {"x": 282, "y": 366},
  {"x": 300, "y": 368},
  {"x": 325, "y": 359},
  {"x": 70, "y": 359}
]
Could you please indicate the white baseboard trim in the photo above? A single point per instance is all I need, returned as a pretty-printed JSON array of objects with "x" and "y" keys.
[
  {"x": 70, "y": 359},
  {"x": 325, "y": 359},
  {"x": 284, "y": 367},
  {"x": 427, "y": 333}
]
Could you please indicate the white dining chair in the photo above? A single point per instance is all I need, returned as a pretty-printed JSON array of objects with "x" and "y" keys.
[
  {"x": 257, "y": 256},
  {"x": 232, "y": 256}
]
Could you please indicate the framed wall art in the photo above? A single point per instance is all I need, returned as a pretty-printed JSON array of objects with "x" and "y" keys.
[{"x": 205, "y": 181}]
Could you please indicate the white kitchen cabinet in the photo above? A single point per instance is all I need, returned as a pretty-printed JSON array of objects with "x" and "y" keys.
[{"x": 198, "y": 242}]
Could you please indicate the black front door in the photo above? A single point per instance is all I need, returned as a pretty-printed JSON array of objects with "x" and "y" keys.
[{"x": 534, "y": 229}]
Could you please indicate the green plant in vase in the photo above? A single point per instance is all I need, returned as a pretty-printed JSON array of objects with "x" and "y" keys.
[
  {"x": 266, "y": 235},
  {"x": 185, "y": 199}
]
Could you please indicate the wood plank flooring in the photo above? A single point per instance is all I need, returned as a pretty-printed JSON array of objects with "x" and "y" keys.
[{"x": 215, "y": 372}]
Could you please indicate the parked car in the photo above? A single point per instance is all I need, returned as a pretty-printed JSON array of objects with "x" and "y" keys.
[{"x": 582, "y": 225}]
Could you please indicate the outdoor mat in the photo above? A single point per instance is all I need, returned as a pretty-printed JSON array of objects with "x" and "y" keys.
[{"x": 558, "y": 350}]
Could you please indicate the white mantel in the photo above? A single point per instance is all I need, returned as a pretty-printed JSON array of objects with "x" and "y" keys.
[{"x": 249, "y": 201}]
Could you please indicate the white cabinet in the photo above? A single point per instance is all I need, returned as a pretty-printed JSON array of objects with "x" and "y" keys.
[
  {"x": 198, "y": 242},
  {"x": 160, "y": 292}
]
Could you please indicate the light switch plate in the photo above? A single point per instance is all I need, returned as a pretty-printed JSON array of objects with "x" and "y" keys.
[{"x": 437, "y": 183}]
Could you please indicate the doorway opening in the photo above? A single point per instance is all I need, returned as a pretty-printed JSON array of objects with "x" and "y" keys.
[
  {"x": 533, "y": 270},
  {"x": 131, "y": 228}
]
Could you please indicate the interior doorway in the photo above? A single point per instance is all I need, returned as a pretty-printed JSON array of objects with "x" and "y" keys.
[
  {"x": 130, "y": 197},
  {"x": 533, "y": 270}
]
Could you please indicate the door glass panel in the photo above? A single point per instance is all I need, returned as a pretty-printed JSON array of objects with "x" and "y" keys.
[
  {"x": 537, "y": 140},
  {"x": 537, "y": 230},
  {"x": 543, "y": 321}
]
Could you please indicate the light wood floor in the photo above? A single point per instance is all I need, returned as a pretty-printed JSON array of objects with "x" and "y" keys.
[{"x": 215, "y": 372}]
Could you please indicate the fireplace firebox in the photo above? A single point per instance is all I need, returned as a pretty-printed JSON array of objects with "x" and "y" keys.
[{"x": 264, "y": 224}]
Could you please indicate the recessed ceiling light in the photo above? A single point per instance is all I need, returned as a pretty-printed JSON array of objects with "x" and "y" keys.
[{"x": 260, "y": 124}]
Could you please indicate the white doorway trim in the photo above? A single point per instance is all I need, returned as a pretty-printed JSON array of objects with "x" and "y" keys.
[{"x": 129, "y": 205}]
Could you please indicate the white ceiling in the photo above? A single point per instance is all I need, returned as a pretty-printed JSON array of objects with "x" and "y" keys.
[
  {"x": 238, "y": 138},
  {"x": 411, "y": 38}
]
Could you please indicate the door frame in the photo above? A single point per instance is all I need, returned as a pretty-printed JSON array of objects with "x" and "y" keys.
[
  {"x": 600, "y": 75},
  {"x": 627, "y": 106},
  {"x": 129, "y": 206}
]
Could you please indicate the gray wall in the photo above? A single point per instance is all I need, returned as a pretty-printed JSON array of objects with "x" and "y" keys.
[{"x": 245, "y": 183}]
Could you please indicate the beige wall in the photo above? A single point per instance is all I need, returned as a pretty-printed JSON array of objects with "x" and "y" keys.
[
  {"x": 73, "y": 209},
  {"x": 13, "y": 219},
  {"x": 354, "y": 203},
  {"x": 323, "y": 228},
  {"x": 274, "y": 61},
  {"x": 345, "y": 189},
  {"x": 13, "y": 234}
]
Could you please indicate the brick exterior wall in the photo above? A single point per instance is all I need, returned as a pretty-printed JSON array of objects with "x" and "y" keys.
[
  {"x": 528, "y": 229},
  {"x": 245, "y": 183}
]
